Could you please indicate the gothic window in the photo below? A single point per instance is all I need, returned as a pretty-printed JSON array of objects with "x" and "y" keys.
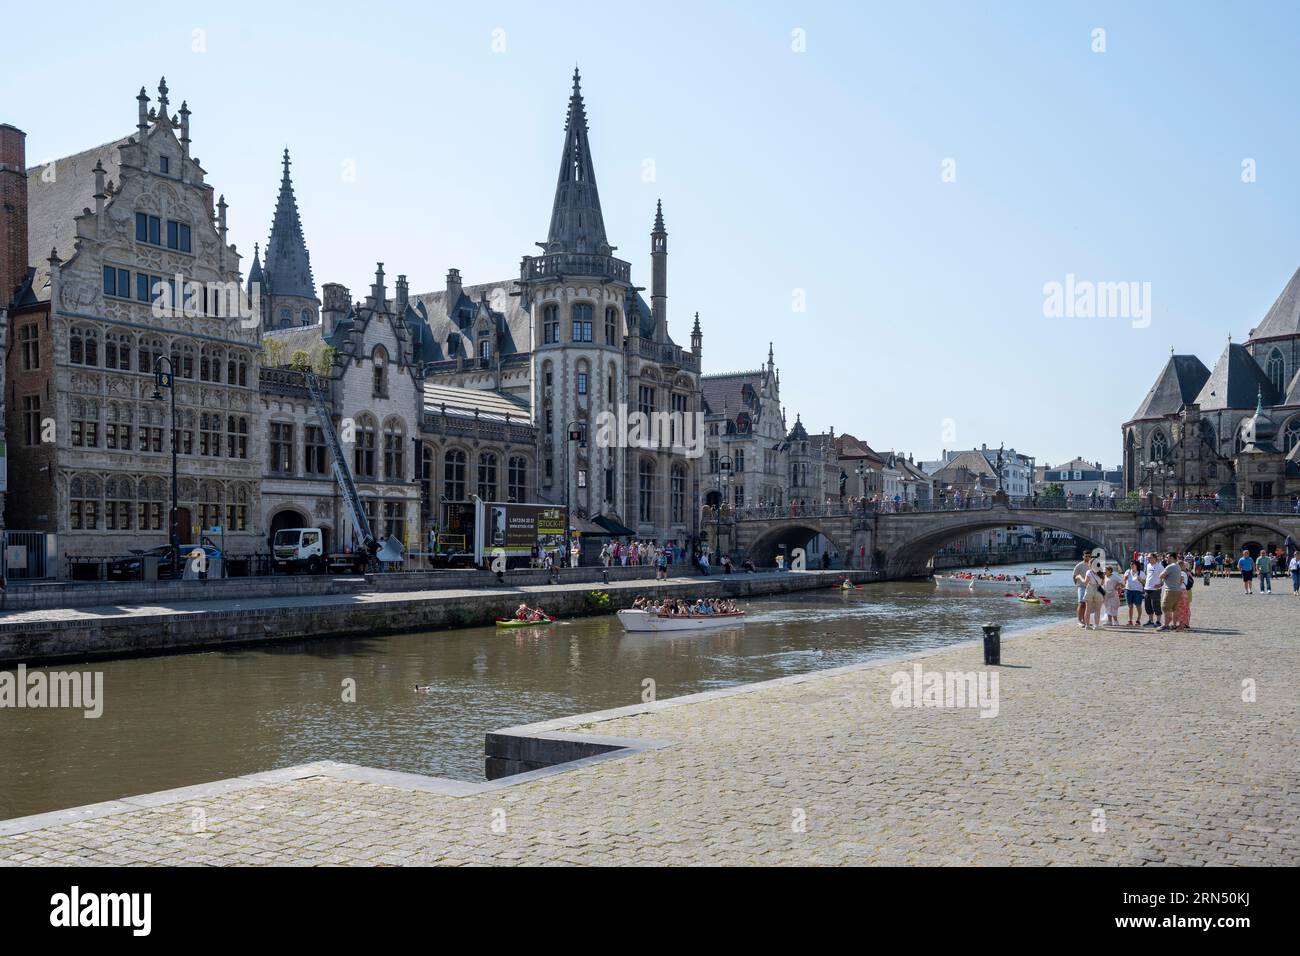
[
  {"x": 611, "y": 326},
  {"x": 485, "y": 348},
  {"x": 314, "y": 451},
  {"x": 646, "y": 399},
  {"x": 1159, "y": 446},
  {"x": 487, "y": 476},
  {"x": 150, "y": 350},
  {"x": 178, "y": 236},
  {"x": 738, "y": 461},
  {"x": 84, "y": 414},
  {"x": 582, "y": 383},
  {"x": 32, "y": 420},
  {"x": 209, "y": 505},
  {"x": 1277, "y": 371},
  {"x": 394, "y": 450},
  {"x": 119, "y": 498},
  {"x": 117, "y": 351},
  {"x": 281, "y": 448},
  {"x": 83, "y": 503},
  {"x": 210, "y": 435},
  {"x": 237, "y": 508},
  {"x": 364, "y": 454},
  {"x": 149, "y": 505},
  {"x": 83, "y": 346},
  {"x": 379, "y": 358},
  {"x": 183, "y": 360},
  {"x": 117, "y": 282},
  {"x": 117, "y": 431},
  {"x": 1291, "y": 435},
  {"x": 678, "y": 492},
  {"x": 148, "y": 229},
  {"x": 307, "y": 317},
  {"x": 210, "y": 362},
  {"x": 581, "y": 314},
  {"x": 184, "y": 432},
  {"x": 550, "y": 324},
  {"x": 646, "y": 491},
  {"x": 395, "y": 519},
  {"x": 236, "y": 436},
  {"x": 517, "y": 479},
  {"x": 453, "y": 475}
]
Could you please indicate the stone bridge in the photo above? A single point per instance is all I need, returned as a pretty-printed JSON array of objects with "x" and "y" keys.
[{"x": 902, "y": 545}]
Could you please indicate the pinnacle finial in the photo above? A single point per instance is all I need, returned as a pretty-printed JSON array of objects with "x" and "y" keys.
[
  {"x": 162, "y": 96},
  {"x": 1259, "y": 401},
  {"x": 659, "y": 215},
  {"x": 696, "y": 330}
]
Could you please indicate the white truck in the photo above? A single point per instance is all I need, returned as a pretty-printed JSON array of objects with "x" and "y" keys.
[{"x": 303, "y": 549}]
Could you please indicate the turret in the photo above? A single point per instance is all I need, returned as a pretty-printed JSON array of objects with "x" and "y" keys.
[
  {"x": 697, "y": 338},
  {"x": 659, "y": 274}
]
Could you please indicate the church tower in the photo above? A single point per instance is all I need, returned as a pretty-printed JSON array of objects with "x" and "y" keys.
[
  {"x": 577, "y": 293},
  {"x": 659, "y": 274},
  {"x": 288, "y": 292}
]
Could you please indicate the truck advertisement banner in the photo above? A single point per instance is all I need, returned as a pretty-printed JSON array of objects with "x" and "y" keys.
[{"x": 518, "y": 528}]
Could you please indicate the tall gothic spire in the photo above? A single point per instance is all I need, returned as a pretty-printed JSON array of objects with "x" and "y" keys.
[
  {"x": 288, "y": 265},
  {"x": 576, "y": 221}
]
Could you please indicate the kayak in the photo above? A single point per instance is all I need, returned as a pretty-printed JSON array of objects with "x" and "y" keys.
[
  {"x": 849, "y": 587},
  {"x": 1031, "y": 600},
  {"x": 501, "y": 622}
]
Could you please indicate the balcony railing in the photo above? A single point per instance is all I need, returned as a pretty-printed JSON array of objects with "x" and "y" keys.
[
  {"x": 283, "y": 381},
  {"x": 1079, "y": 503},
  {"x": 559, "y": 264}
]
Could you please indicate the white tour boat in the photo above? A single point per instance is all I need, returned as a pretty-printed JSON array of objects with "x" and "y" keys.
[
  {"x": 649, "y": 621},
  {"x": 998, "y": 585}
]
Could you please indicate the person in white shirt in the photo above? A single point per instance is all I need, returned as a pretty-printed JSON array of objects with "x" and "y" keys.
[
  {"x": 1094, "y": 596},
  {"x": 1152, "y": 585},
  {"x": 1080, "y": 570},
  {"x": 1134, "y": 584},
  {"x": 1207, "y": 565},
  {"x": 1294, "y": 567}
]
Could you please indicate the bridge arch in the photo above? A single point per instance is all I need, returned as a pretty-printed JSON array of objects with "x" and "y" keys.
[
  {"x": 912, "y": 543},
  {"x": 1230, "y": 526},
  {"x": 794, "y": 533}
]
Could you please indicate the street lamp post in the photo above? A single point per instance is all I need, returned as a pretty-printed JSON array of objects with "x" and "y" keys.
[
  {"x": 166, "y": 379},
  {"x": 574, "y": 430}
]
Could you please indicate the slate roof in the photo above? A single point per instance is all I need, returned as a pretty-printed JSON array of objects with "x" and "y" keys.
[
  {"x": 1236, "y": 382},
  {"x": 490, "y": 405},
  {"x": 429, "y": 309},
  {"x": 1293, "y": 390},
  {"x": 972, "y": 462},
  {"x": 576, "y": 221},
  {"x": 55, "y": 198},
  {"x": 288, "y": 264},
  {"x": 726, "y": 391},
  {"x": 1283, "y": 318},
  {"x": 847, "y": 446},
  {"x": 1178, "y": 384}
]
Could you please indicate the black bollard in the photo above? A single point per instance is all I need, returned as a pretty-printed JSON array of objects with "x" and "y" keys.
[{"x": 993, "y": 644}]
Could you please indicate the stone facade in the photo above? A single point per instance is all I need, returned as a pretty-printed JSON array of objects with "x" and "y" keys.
[{"x": 139, "y": 276}]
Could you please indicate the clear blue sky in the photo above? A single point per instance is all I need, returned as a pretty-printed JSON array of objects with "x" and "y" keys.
[{"x": 778, "y": 170}]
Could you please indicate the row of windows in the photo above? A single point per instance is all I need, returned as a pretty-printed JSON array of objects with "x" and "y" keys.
[
  {"x": 647, "y": 480},
  {"x": 192, "y": 298},
  {"x": 124, "y": 428},
  {"x": 1159, "y": 444},
  {"x": 121, "y": 350},
  {"x": 582, "y": 322},
  {"x": 149, "y": 229},
  {"x": 455, "y": 466},
  {"x": 124, "y": 504}
]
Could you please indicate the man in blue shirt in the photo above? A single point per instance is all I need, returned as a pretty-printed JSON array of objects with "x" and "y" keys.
[{"x": 1246, "y": 565}]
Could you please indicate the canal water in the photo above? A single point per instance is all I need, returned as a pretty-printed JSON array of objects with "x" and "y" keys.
[{"x": 193, "y": 718}]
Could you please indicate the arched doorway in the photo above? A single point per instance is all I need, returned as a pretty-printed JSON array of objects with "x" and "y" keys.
[{"x": 286, "y": 518}]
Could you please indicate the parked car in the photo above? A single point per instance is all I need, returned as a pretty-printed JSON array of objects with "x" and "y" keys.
[{"x": 130, "y": 568}]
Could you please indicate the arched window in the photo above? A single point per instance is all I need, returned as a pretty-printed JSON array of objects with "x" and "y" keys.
[
  {"x": 364, "y": 454},
  {"x": 1277, "y": 371},
  {"x": 394, "y": 450},
  {"x": 150, "y": 351},
  {"x": 611, "y": 326},
  {"x": 678, "y": 495},
  {"x": 119, "y": 497},
  {"x": 453, "y": 475},
  {"x": 149, "y": 507},
  {"x": 1291, "y": 434},
  {"x": 517, "y": 479},
  {"x": 183, "y": 360},
  {"x": 582, "y": 378},
  {"x": 646, "y": 488},
  {"x": 379, "y": 359},
  {"x": 237, "y": 369},
  {"x": 307, "y": 317},
  {"x": 550, "y": 324},
  {"x": 83, "y": 503},
  {"x": 117, "y": 351},
  {"x": 210, "y": 362},
  {"x": 83, "y": 346},
  {"x": 209, "y": 505},
  {"x": 487, "y": 476},
  {"x": 1159, "y": 446}
]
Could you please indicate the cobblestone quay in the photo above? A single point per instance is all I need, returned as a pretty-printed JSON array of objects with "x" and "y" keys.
[{"x": 1120, "y": 746}]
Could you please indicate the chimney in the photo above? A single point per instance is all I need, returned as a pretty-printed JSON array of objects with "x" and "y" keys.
[
  {"x": 453, "y": 290},
  {"x": 335, "y": 309},
  {"x": 403, "y": 295},
  {"x": 13, "y": 211},
  {"x": 378, "y": 291}
]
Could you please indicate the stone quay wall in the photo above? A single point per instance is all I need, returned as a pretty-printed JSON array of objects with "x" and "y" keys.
[{"x": 98, "y": 633}]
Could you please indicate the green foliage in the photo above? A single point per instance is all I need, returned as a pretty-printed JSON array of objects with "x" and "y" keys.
[
  {"x": 598, "y": 600},
  {"x": 1054, "y": 490}
]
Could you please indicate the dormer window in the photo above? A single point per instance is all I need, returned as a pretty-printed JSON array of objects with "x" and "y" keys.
[
  {"x": 380, "y": 358},
  {"x": 485, "y": 348},
  {"x": 164, "y": 164}
]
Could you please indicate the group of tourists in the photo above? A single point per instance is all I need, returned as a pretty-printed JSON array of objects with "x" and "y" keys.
[
  {"x": 637, "y": 553},
  {"x": 676, "y": 607},
  {"x": 1264, "y": 567}
]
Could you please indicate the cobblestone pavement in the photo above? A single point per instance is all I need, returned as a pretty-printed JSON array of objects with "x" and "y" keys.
[{"x": 1121, "y": 746}]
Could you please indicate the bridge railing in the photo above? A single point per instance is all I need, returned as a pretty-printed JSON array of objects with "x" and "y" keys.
[{"x": 1075, "y": 503}]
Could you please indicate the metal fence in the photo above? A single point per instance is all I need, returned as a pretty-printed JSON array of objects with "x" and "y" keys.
[{"x": 28, "y": 556}]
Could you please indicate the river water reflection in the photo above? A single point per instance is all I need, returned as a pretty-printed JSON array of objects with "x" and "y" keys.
[{"x": 192, "y": 718}]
